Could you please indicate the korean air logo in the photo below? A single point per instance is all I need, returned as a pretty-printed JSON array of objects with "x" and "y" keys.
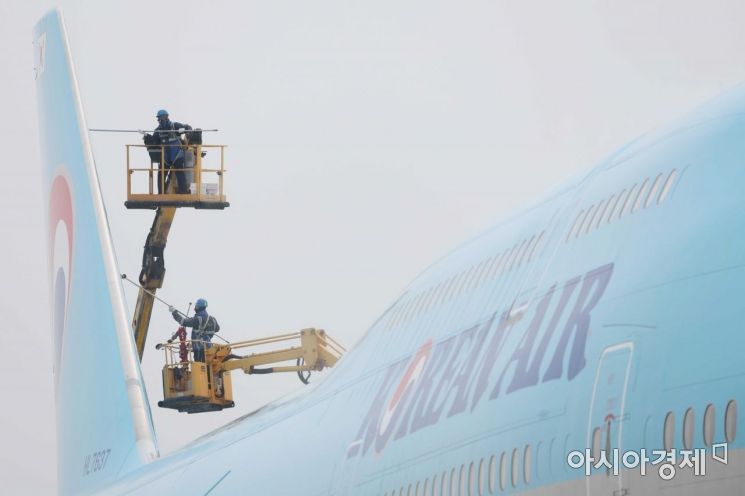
[{"x": 61, "y": 230}]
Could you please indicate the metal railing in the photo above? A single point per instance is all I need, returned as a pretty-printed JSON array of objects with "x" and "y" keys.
[{"x": 199, "y": 189}]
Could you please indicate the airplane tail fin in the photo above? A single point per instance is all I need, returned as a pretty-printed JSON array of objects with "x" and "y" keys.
[{"x": 104, "y": 424}]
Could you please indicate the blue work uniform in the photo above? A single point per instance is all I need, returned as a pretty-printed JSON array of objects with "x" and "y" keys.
[
  {"x": 204, "y": 326},
  {"x": 174, "y": 155}
]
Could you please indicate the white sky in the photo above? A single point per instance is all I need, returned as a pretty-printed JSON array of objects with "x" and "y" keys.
[{"x": 366, "y": 140}]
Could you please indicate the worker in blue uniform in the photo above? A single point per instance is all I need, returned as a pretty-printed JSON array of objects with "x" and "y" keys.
[
  {"x": 203, "y": 325},
  {"x": 167, "y": 135}
]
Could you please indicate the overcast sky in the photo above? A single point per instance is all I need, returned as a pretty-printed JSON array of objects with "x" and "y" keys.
[{"x": 366, "y": 139}]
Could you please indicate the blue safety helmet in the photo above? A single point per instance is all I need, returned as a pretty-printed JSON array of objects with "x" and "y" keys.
[
  {"x": 162, "y": 113},
  {"x": 200, "y": 305}
]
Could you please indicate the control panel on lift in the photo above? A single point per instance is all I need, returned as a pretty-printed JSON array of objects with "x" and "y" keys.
[{"x": 193, "y": 386}]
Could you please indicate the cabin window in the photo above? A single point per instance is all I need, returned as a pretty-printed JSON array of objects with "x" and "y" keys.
[
  {"x": 618, "y": 207},
  {"x": 515, "y": 467},
  {"x": 503, "y": 471},
  {"x": 666, "y": 186},
  {"x": 444, "y": 484},
  {"x": 511, "y": 259},
  {"x": 601, "y": 213},
  {"x": 454, "y": 482},
  {"x": 730, "y": 421},
  {"x": 435, "y": 487},
  {"x": 521, "y": 253},
  {"x": 709, "y": 424},
  {"x": 628, "y": 202},
  {"x": 668, "y": 431},
  {"x": 463, "y": 475},
  {"x": 577, "y": 222},
  {"x": 482, "y": 463},
  {"x": 688, "y": 427},
  {"x": 425, "y": 486},
  {"x": 595, "y": 450},
  {"x": 640, "y": 196},
  {"x": 587, "y": 220},
  {"x": 598, "y": 215},
  {"x": 492, "y": 473},
  {"x": 526, "y": 464},
  {"x": 535, "y": 250},
  {"x": 653, "y": 191},
  {"x": 609, "y": 210},
  {"x": 410, "y": 491}
]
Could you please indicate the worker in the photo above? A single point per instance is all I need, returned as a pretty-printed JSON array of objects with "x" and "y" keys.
[
  {"x": 203, "y": 325},
  {"x": 167, "y": 135}
]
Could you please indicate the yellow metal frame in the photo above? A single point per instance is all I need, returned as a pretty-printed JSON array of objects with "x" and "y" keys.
[
  {"x": 206, "y": 386},
  {"x": 197, "y": 197}
]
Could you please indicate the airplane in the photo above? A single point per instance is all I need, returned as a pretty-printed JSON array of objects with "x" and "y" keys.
[{"x": 589, "y": 344}]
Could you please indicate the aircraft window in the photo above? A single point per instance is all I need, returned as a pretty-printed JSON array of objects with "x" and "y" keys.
[
  {"x": 601, "y": 215},
  {"x": 447, "y": 293},
  {"x": 598, "y": 215},
  {"x": 425, "y": 300},
  {"x": 494, "y": 267},
  {"x": 515, "y": 467},
  {"x": 640, "y": 196},
  {"x": 471, "y": 479},
  {"x": 730, "y": 421},
  {"x": 418, "y": 489},
  {"x": 483, "y": 269},
  {"x": 618, "y": 207},
  {"x": 482, "y": 476},
  {"x": 538, "y": 460},
  {"x": 479, "y": 274},
  {"x": 425, "y": 487},
  {"x": 456, "y": 285},
  {"x": 503, "y": 471},
  {"x": 588, "y": 218},
  {"x": 454, "y": 482},
  {"x": 467, "y": 284},
  {"x": 437, "y": 301},
  {"x": 402, "y": 314},
  {"x": 666, "y": 186},
  {"x": 577, "y": 223},
  {"x": 463, "y": 480},
  {"x": 534, "y": 250},
  {"x": 629, "y": 202},
  {"x": 444, "y": 483},
  {"x": 669, "y": 431},
  {"x": 551, "y": 455},
  {"x": 653, "y": 190},
  {"x": 492, "y": 473},
  {"x": 526, "y": 464},
  {"x": 610, "y": 207},
  {"x": 503, "y": 262},
  {"x": 402, "y": 492},
  {"x": 464, "y": 282},
  {"x": 410, "y": 310},
  {"x": 511, "y": 259},
  {"x": 529, "y": 249},
  {"x": 688, "y": 426},
  {"x": 410, "y": 492},
  {"x": 521, "y": 253},
  {"x": 596, "y": 443},
  {"x": 709, "y": 424}
]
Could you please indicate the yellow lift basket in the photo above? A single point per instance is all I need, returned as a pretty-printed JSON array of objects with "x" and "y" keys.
[
  {"x": 206, "y": 182},
  {"x": 194, "y": 387}
]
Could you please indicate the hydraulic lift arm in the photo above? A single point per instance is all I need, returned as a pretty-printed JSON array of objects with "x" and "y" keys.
[{"x": 152, "y": 273}]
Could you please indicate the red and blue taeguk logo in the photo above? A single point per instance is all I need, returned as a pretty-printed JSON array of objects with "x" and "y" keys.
[{"x": 60, "y": 259}]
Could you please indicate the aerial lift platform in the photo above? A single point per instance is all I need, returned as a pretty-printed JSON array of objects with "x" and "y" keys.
[
  {"x": 206, "y": 192},
  {"x": 194, "y": 387},
  {"x": 188, "y": 385}
]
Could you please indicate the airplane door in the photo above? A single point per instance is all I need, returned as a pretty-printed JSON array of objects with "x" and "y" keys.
[{"x": 606, "y": 418}]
